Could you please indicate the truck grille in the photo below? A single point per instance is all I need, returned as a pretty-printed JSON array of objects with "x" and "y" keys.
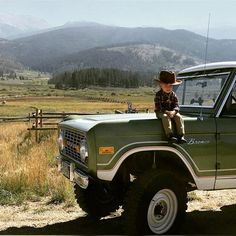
[{"x": 72, "y": 141}]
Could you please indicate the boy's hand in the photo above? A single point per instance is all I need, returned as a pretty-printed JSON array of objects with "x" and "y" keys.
[{"x": 171, "y": 114}]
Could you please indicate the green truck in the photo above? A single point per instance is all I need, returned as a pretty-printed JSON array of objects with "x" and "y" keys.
[{"x": 125, "y": 160}]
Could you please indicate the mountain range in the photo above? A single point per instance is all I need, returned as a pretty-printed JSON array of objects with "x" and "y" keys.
[{"x": 82, "y": 45}]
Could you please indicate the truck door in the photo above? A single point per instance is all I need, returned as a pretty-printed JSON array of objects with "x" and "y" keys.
[{"x": 226, "y": 143}]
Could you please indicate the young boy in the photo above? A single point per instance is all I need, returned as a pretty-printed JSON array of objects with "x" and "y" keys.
[{"x": 167, "y": 106}]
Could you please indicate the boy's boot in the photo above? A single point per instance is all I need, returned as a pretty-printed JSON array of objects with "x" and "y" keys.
[
  {"x": 172, "y": 138},
  {"x": 181, "y": 139}
]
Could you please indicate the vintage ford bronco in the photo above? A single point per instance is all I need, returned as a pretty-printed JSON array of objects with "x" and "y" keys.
[{"x": 125, "y": 159}]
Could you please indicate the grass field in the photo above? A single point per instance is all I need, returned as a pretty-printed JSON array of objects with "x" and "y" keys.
[
  {"x": 21, "y": 107},
  {"x": 21, "y": 97},
  {"x": 28, "y": 169}
]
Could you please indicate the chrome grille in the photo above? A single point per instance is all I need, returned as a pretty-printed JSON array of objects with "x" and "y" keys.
[{"x": 72, "y": 143}]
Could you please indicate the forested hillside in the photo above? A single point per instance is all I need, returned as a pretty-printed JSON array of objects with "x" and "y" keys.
[
  {"x": 134, "y": 57},
  {"x": 100, "y": 77}
]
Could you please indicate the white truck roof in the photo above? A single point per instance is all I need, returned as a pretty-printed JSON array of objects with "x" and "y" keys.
[{"x": 210, "y": 66}]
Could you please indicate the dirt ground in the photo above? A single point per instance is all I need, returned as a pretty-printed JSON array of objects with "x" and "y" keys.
[{"x": 208, "y": 213}]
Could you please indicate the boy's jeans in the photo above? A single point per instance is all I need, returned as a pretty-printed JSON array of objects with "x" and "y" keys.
[{"x": 167, "y": 124}]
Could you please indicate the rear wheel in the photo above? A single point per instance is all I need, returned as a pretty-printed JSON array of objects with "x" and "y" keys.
[{"x": 155, "y": 204}]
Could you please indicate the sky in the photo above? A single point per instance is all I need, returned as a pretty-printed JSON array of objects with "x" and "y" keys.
[{"x": 171, "y": 14}]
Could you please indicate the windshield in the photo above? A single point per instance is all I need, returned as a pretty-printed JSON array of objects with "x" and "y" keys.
[{"x": 200, "y": 90}]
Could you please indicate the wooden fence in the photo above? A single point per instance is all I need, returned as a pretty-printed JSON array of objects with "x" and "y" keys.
[
  {"x": 48, "y": 120},
  {"x": 40, "y": 120}
]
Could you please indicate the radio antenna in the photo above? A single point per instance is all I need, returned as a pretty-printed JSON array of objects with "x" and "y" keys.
[
  {"x": 206, "y": 51},
  {"x": 207, "y": 38}
]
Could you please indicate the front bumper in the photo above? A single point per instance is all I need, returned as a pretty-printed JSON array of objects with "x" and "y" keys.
[{"x": 69, "y": 170}]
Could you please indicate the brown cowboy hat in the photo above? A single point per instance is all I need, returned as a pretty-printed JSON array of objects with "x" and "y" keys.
[{"x": 168, "y": 77}]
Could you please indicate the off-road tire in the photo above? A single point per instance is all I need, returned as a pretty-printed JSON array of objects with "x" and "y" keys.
[
  {"x": 95, "y": 200},
  {"x": 155, "y": 204}
]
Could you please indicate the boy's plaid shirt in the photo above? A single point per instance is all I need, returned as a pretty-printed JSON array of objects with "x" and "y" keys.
[{"x": 166, "y": 101}]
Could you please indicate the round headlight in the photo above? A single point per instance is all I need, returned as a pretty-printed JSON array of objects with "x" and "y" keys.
[
  {"x": 60, "y": 140},
  {"x": 83, "y": 150}
]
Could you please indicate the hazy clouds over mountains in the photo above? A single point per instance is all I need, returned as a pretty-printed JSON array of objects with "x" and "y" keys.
[{"x": 13, "y": 26}]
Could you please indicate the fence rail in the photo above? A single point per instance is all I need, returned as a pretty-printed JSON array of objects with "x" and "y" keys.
[
  {"x": 40, "y": 120},
  {"x": 16, "y": 119},
  {"x": 49, "y": 120}
]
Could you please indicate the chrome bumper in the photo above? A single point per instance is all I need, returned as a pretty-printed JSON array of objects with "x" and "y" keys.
[{"x": 74, "y": 175}]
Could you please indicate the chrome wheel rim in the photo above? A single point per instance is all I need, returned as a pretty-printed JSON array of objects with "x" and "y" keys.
[{"x": 162, "y": 211}]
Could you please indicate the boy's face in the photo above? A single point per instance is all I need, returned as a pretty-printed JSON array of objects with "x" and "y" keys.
[{"x": 167, "y": 88}]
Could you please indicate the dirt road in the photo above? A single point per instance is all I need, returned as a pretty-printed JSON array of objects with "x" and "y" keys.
[{"x": 208, "y": 213}]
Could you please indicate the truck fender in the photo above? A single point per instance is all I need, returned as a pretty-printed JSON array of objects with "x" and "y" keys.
[{"x": 201, "y": 182}]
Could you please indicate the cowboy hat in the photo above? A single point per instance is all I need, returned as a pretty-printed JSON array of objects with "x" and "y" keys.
[{"x": 168, "y": 77}]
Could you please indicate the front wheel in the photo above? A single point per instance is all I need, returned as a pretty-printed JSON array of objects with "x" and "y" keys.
[
  {"x": 155, "y": 204},
  {"x": 96, "y": 200}
]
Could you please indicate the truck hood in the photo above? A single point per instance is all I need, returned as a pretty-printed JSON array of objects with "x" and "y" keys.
[{"x": 85, "y": 123}]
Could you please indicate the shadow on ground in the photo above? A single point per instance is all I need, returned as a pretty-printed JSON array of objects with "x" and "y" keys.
[
  {"x": 211, "y": 222},
  {"x": 197, "y": 222}
]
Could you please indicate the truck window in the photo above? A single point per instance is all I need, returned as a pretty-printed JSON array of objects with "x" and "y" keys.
[
  {"x": 230, "y": 106},
  {"x": 201, "y": 91}
]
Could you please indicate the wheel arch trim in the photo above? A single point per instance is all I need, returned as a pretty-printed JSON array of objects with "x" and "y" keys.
[{"x": 206, "y": 182}]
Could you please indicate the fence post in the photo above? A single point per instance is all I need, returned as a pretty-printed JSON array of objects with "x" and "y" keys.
[
  {"x": 41, "y": 118},
  {"x": 36, "y": 124}
]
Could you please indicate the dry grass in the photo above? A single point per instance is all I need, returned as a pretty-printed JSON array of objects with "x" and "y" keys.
[
  {"x": 43, "y": 97},
  {"x": 67, "y": 104},
  {"x": 28, "y": 169}
]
